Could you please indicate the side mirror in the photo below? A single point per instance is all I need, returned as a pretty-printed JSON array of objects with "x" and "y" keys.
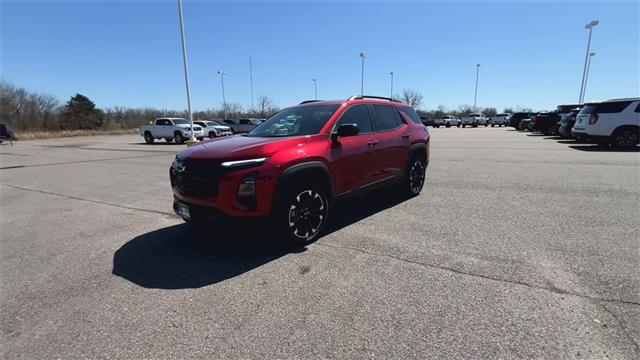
[{"x": 345, "y": 130}]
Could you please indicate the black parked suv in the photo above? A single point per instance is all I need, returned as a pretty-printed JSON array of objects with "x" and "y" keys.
[
  {"x": 515, "y": 119},
  {"x": 546, "y": 123}
]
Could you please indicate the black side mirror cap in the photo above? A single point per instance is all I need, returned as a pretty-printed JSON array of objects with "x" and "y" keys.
[{"x": 348, "y": 130}]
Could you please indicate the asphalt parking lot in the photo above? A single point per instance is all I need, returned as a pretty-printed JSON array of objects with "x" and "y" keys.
[{"x": 520, "y": 246}]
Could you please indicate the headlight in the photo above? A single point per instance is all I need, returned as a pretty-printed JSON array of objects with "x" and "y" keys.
[{"x": 243, "y": 163}]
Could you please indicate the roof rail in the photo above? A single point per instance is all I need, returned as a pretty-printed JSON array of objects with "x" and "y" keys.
[
  {"x": 308, "y": 101},
  {"x": 355, "y": 97}
]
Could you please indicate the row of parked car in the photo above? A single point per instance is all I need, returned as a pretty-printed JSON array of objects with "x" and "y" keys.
[
  {"x": 613, "y": 122},
  {"x": 179, "y": 130},
  {"x": 471, "y": 120}
]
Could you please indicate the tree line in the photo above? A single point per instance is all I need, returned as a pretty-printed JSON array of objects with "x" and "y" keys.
[{"x": 24, "y": 110}]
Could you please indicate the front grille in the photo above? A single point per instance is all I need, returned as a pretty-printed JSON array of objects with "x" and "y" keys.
[{"x": 197, "y": 179}]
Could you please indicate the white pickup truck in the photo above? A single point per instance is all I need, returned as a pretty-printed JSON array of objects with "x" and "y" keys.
[
  {"x": 500, "y": 120},
  {"x": 170, "y": 129},
  {"x": 474, "y": 120}
]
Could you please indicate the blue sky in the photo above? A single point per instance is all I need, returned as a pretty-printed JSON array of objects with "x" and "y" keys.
[{"x": 128, "y": 53}]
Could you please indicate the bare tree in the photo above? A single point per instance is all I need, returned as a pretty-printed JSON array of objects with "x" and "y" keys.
[
  {"x": 489, "y": 112},
  {"x": 464, "y": 109},
  {"x": 411, "y": 97},
  {"x": 266, "y": 106}
]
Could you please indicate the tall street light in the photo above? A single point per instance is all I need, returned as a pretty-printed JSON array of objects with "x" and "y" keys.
[
  {"x": 251, "y": 80},
  {"x": 589, "y": 27},
  {"x": 391, "y": 73},
  {"x": 362, "y": 56},
  {"x": 315, "y": 88},
  {"x": 475, "y": 98},
  {"x": 192, "y": 139},
  {"x": 586, "y": 78},
  {"x": 224, "y": 101}
]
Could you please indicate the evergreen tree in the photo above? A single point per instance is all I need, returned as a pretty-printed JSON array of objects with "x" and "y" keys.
[{"x": 81, "y": 113}]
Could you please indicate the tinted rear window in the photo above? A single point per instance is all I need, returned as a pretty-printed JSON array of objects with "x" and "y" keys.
[
  {"x": 412, "y": 114},
  {"x": 606, "y": 108}
]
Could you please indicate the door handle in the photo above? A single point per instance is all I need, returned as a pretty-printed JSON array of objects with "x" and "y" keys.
[
  {"x": 405, "y": 136},
  {"x": 372, "y": 143}
]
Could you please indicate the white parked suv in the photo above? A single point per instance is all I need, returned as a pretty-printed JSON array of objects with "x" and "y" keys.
[
  {"x": 500, "y": 120},
  {"x": 615, "y": 122},
  {"x": 170, "y": 129},
  {"x": 213, "y": 129}
]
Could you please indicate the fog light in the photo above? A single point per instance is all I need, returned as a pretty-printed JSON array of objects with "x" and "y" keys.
[
  {"x": 247, "y": 186},
  {"x": 247, "y": 190}
]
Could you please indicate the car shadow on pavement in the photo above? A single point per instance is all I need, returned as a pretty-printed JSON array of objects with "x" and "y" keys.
[
  {"x": 596, "y": 148},
  {"x": 183, "y": 256}
]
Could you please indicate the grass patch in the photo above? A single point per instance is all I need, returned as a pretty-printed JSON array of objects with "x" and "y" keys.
[{"x": 36, "y": 135}]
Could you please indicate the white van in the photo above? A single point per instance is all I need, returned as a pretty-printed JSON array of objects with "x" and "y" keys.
[{"x": 615, "y": 122}]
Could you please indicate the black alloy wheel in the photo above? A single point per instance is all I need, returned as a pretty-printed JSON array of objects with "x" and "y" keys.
[{"x": 307, "y": 211}]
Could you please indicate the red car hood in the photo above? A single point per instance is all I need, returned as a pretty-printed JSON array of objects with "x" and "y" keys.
[{"x": 238, "y": 147}]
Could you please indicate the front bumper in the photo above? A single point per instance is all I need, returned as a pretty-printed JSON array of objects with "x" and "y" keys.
[{"x": 223, "y": 193}]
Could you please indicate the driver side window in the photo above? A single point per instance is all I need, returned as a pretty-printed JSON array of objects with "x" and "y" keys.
[{"x": 359, "y": 115}]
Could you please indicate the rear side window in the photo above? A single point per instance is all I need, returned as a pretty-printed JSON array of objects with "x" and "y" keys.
[
  {"x": 386, "y": 117},
  {"x": 638, "y": 108},
  {"x": 359, "y": 115},
  {"x": 412, "y": 114},
  {"x": 610, "y": 107}
]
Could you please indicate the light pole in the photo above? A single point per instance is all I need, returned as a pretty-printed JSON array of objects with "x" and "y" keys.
[
  {"x": 192, "y": 139},
  {"x": 224, "y": 101},
  {"x": 251, "y": 80},
  {"x": 589, "y": 27},
  {"x": 315, "y": 88},
  {"x": 475, "y": 98},
  {"x": 586, "y": 78},
  {"x": 391, "y": 73},
  {"x": 362, "y": 56}
]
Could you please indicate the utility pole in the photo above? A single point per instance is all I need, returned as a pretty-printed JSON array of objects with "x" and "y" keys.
[{"x": 192, "y": 139}]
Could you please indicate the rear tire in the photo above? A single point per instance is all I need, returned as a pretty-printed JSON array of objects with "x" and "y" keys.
[
  {"x": 303, "y": 213},
  {"x": 626, "y": 137},
  {"x": 148, "y": 138},
  {"x": 492, "y": 125},
  {"x": 168, "y": 140},
  {"x": 463, "y": 125},
  {"x": 415, "y": 175},
  {"x": 458, "y": 125}
]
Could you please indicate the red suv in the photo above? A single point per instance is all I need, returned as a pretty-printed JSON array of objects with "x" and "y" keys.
[{"x": 295, "y": 164}]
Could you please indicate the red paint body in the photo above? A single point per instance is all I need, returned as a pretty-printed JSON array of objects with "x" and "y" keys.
[{"x": 353, "y": 162}]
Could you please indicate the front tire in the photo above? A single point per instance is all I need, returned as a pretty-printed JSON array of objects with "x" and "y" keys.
[
  {"x": 179, "y": 138},
  {"x": 304, "y": 213},
  {"x": 212, "y": 134}
]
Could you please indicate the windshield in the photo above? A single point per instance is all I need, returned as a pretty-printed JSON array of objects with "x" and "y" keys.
[
  {"x": 295, "y": 121},
  {"x": 180, "y": 122}
]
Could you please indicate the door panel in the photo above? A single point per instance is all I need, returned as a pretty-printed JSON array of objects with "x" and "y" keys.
[
  {"x": 352, "y": 162},
  {"x": 392, "y": 136}
]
